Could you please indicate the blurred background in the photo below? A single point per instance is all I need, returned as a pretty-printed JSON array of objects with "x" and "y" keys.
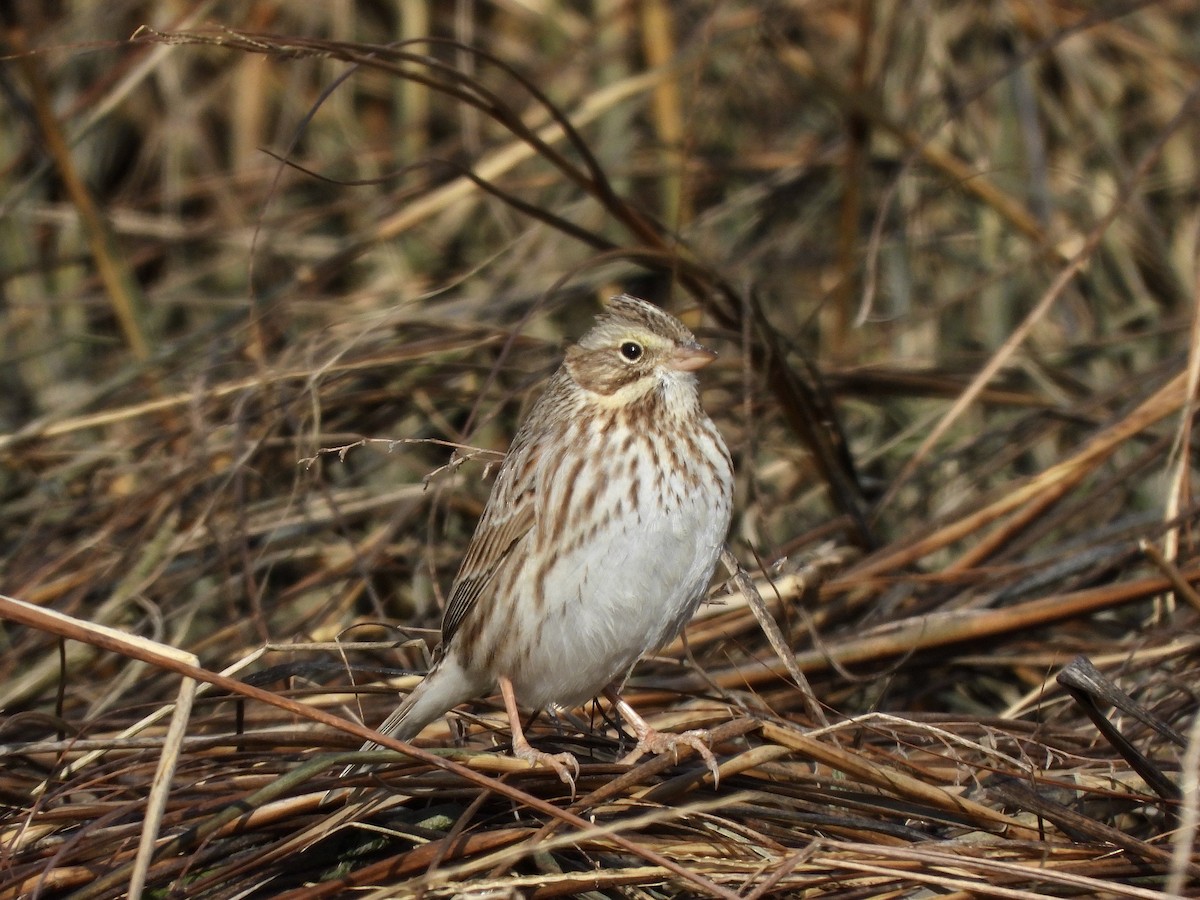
[{"x": 264, "y": 266}]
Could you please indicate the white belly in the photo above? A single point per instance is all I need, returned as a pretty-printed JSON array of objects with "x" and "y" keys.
[{"x": 628, "y": 589}]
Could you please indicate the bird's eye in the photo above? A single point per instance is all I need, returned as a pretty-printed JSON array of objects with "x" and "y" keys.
[{"x": 632, "y": 351}]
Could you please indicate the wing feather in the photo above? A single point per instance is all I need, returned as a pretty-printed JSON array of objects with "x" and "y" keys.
[{"x": 507, "y": 518}]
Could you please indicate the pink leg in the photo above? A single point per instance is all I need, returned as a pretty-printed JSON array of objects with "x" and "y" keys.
[
  {"x": 564, "y": 764},
  {"x": 651, "y": 740}
]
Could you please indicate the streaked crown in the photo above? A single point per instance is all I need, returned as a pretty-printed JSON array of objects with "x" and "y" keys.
[{"x": 633, "y": 348}]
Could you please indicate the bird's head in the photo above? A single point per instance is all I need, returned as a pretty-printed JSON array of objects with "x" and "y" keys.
[{"x": 633, "y": 349}]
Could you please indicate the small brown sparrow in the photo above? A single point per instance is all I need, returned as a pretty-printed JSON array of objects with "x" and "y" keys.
[{"x": 598, "y": 542}]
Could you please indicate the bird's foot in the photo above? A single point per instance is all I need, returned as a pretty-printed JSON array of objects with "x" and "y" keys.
[
  {"x": 651, "y": 740},
  {"x": 565, "y": 765}
]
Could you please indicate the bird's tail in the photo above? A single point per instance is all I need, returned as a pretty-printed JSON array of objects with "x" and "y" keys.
[{"x": 446, "y": 686}]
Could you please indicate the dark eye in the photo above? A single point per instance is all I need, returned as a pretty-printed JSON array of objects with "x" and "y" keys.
[{"x": 631, "y": 350}]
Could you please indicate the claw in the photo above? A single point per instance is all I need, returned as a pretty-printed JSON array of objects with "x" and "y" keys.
[
  {"x": 651, "y": 740},
  {"x": 565, "y": 765}
]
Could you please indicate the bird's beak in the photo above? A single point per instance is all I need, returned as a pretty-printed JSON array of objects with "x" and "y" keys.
[{"x": 690, "y": 357}]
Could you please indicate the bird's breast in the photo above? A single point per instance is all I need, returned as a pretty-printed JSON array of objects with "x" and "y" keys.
[{"x": 629, "y": 530}]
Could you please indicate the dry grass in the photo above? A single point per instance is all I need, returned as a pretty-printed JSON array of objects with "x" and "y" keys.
[{"x": 948, "y": 252}]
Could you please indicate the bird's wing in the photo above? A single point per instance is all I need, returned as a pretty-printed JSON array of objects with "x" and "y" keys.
[{"x": 507, "y": 518}]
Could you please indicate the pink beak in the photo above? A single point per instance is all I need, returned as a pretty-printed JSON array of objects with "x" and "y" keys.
[{"x": 690, "y": 357}]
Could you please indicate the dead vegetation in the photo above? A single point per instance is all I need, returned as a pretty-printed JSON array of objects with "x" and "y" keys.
[{"x": 948, "y": 253}]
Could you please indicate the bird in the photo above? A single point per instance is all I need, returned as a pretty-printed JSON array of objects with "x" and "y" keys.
[{"x": 598, "y": 541}]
